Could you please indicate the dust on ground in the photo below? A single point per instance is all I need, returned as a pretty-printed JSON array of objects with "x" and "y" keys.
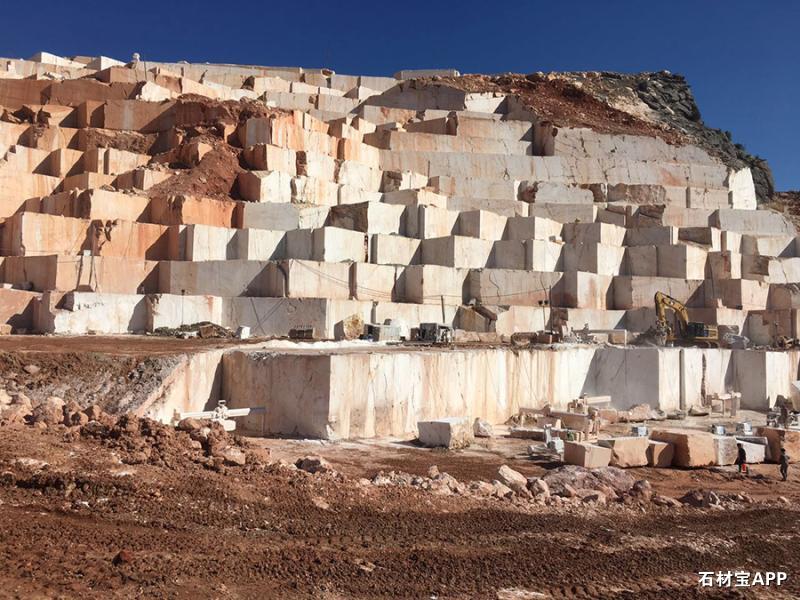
[{"x": 84, "y": 512}]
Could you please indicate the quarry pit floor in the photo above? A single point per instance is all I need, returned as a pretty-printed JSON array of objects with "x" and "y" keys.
[
  {"x": 79, "y": 520},
  {"x": 88, "y": 525}
]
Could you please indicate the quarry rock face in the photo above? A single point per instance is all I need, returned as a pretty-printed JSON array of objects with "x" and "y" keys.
[{"x": 303, "y": 203}]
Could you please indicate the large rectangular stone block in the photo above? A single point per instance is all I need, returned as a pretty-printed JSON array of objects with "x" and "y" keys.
[
  {"x": 692, "y": 448},
  {"x": 532, "y": 228},
  {"x": 514, "y": 287},
  {"x": 450, "y": 432},
  {"x": 369, "y": 217},
  {"x": 425, "y": 222},
  {"x": 599, "y": 259},
  {"x": 681, "y": 261},
  {"x": 586, "y": 455},
  {"x": 394, "y": 250},
  {"x": 659, "y": 454},
  {"x": 597, "y": 233},
  {"x": 627, "y": 451},
  {"x": 265, "y": 186},
  {"x": 432, "y": 284},
  {"x": 283, "y": 216},
  {"x": 225, "y": 278},
  {"x": 307, "y": 279},
  {"x": 381, "y": 283},
  {"x": 482, "y": 224},
  {"x": 778, "y": 438},
  {"x": 457, "y": 251},
  {"x": 327, "y": 244},
  {"x": 586, "y": 290}
]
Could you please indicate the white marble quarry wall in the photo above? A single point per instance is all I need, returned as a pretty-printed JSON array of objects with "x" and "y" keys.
[{"x": 385, "y": 392}]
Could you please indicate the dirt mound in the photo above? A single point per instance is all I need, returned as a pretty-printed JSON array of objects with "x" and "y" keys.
[
  {"x": 130, "y": 141},
  {"x": 193, "y": 111},
  {"x": 144, "y": 441},
  {"x": 214, "y": 177},
  {"x": 116, "y": 383},
  {"x": 787, "y": 203}
]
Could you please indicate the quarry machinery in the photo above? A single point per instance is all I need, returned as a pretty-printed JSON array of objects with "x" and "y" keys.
[{"x": 681, "y": 330}]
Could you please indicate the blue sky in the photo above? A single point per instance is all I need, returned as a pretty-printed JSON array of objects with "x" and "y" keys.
[{"x": 741, "y": 58}]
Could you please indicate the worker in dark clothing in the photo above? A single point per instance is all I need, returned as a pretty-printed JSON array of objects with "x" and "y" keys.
[
  {"x": 741, "y": 459},
  {"x": 784, "y": 463},
  {"x": 785, "y": 415}
]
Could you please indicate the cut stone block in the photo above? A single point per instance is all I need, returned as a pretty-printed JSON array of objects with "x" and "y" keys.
[
  {"x": 725, "y": 449},
  {"x": 394, "y": 250},
  {"x": 450, "y": 432},
  {"x": 457, "y": 251},
  {"x": 532, "y": 228},
  {"x": 368, "y": 217},
  {"x": 692, "y": 448},
  {"x": 756, "y": 440},
  {"x": 778, "y": 438},
  {"x": 597, "y": 233},
  {"x": 593, "y": 258},
  {"x": 684, "y": 262},
  {"x": 265, "y": 186},
  {"x": 482, "y": 224},
  {"x": 660, "y": 454},
  {"x": 627, "y": 451},
  {"x": 429, "y": 284},
  {"x": 586, "y": 455}
]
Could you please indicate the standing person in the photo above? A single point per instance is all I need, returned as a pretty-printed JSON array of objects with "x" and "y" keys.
[
  {"x": 784, "y": 463},
  {"x": 785, "y": 415},
  {"x": 741, "y": 459}
]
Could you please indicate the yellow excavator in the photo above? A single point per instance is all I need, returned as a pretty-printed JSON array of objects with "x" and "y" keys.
[{"x": 681, "y": 330}]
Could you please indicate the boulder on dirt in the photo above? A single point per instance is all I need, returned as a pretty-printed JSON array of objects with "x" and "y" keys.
[
  {"x": 50, "y": 412},
  {"x": 15, "y": 414},
  {"x": 569, "y": 477},
  {"x": 700, "y": 498},
  {"x": 189, "y": 424},
  {"x": 450, "y": 432},
  {"x": 481, "y": 488},
  {"x": 501, "y": 490},
  {"x": 640, "y": 412},
  {"x": 5, "y": 398},
  {"x": 122, "y": 557},
  {"x": 234, "y": 457},
  {"x": 95, "y": 413},
  {"x": 314, "y": 464},
  {"x": 539, "y": 488},
  {"x": 698, "y": 411},
  {"x": 642, "y": 489},
  {"x": 31, "y": 369},
  {"x": 692, "y": 448},
  {"x": 660, "y": 500},
  {"x": 514, "y": 480},
  {"x": 481, "y": 429},
  {"x": 592, "y": 496},
  {"x": 629, "y": 451}
]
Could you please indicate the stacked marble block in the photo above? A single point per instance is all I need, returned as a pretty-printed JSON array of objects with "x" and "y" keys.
[{"x": 369, "y": 196}]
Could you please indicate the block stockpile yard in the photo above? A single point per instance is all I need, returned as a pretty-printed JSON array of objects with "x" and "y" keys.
[{"x": 566, "y": 280}]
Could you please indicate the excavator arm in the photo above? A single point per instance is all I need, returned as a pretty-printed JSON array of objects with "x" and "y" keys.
[
  {"x": 697, "y": 333},
  {"x": 664, "y": 302}
]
